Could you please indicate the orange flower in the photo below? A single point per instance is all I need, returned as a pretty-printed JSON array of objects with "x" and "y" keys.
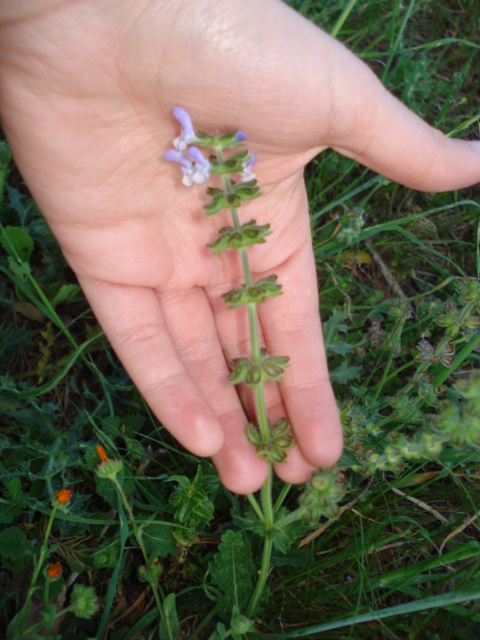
[
  {"x": 54, "y": 570},
  {"x": 101, "y": 453},
  {"x": 63, "y": 496}
]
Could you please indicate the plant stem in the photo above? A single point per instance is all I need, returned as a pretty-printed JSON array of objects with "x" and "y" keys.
[
  {"x": 262, "y": 578},
  {"x": 255, "y": 506},
  {"x": 262, "y": 419},
  {"x": 41, "y": 559},
  {"x": 153, "y": 584}
]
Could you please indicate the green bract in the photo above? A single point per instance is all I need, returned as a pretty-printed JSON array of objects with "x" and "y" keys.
[
  {"x": 249, "y": 234},
  {"x": 254, "y": 293}
]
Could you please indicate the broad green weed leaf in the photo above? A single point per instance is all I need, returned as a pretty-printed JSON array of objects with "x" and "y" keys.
[
  {"x": 17, "y": 243},
  {"x": 232, "y": 571},
  {"x": 13, "y": 543},
  {"x": 158, "y": 540},
  {"x": 170, "y": 609}
]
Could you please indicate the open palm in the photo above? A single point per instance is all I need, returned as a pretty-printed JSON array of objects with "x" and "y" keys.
[{"x": 87, "y": 91}]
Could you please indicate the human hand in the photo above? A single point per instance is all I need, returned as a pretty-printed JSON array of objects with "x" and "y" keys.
[{"x": 87, "y": 91}]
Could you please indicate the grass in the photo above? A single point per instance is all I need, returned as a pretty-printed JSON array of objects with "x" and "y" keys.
[{"x": 403, "y": 558}]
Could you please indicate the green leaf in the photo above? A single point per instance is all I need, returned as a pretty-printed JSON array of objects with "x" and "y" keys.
[
  {"x": 66, "y": 293},
  {"x": 232, "y": 571},
  {"x": 158, "y": 540},
  {"x": 339, "y": 347},
  {"x": 293, "y": 558},
  {"x": 220, "y": 632},
  {"x": 170, "y": 610},
  {"x": 48, "y": 616},
  {"x": 106, "y": 556},
  {"x": 190, "y": 502},
  {"x": 17, "y": 625},
  {"x": 344, "y": 374},
  {"x": 13, "y": 543},
  {"x": 14, "y": 502},
  {"x": 17, "y": 243},
  {"x": 284, "y": 537},
  {"x": 333, "y": 326}
]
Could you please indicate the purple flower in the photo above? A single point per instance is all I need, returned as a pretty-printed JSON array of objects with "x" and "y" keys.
[
  {"x": 247, "y": 173},
  {"x": 188, "y": 134},
  {"x": 240, "y": 137},
  {"x": 195, "y": 170}
]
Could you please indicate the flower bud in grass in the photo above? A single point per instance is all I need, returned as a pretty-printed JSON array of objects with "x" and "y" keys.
[
  {"x": 62, "y": 498},
  {"x": 101, "y": 453},
  {"x": 109, "y": 469},
  {"x": 53, "y": 571},
  {"x": 84, "y": 603}
]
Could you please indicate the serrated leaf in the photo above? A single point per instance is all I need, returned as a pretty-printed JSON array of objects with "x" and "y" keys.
[
  {"x": 339, "y": 347},
  {"x": 232, "y": 571},
  {"x": 13, "y": 543},
  {"x": 17, "y": 243},
  {"x": 333, "y": 326},
  {"x": 106, "y": 489},
  {"x": 284, "y": 537},
  {"x": 190, "y": 502},
  {"x": 158, "y": 540},
  {"x": 344, "y": 373},
  {"x": 66, "y": 293}
]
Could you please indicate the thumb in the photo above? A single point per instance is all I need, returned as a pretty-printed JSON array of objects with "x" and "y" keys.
[{"x": 374, "y": 128}]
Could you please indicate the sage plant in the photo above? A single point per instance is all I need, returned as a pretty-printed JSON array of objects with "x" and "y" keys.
[{"x": 234, "y": 168}]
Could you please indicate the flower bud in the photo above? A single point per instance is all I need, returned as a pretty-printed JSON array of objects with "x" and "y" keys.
[
  {"x": 83, "y": 603},
  {"x": 62, "y": 498},
  {"x": 109, "y": 469},
  {"x": 53, "y": 571}
]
